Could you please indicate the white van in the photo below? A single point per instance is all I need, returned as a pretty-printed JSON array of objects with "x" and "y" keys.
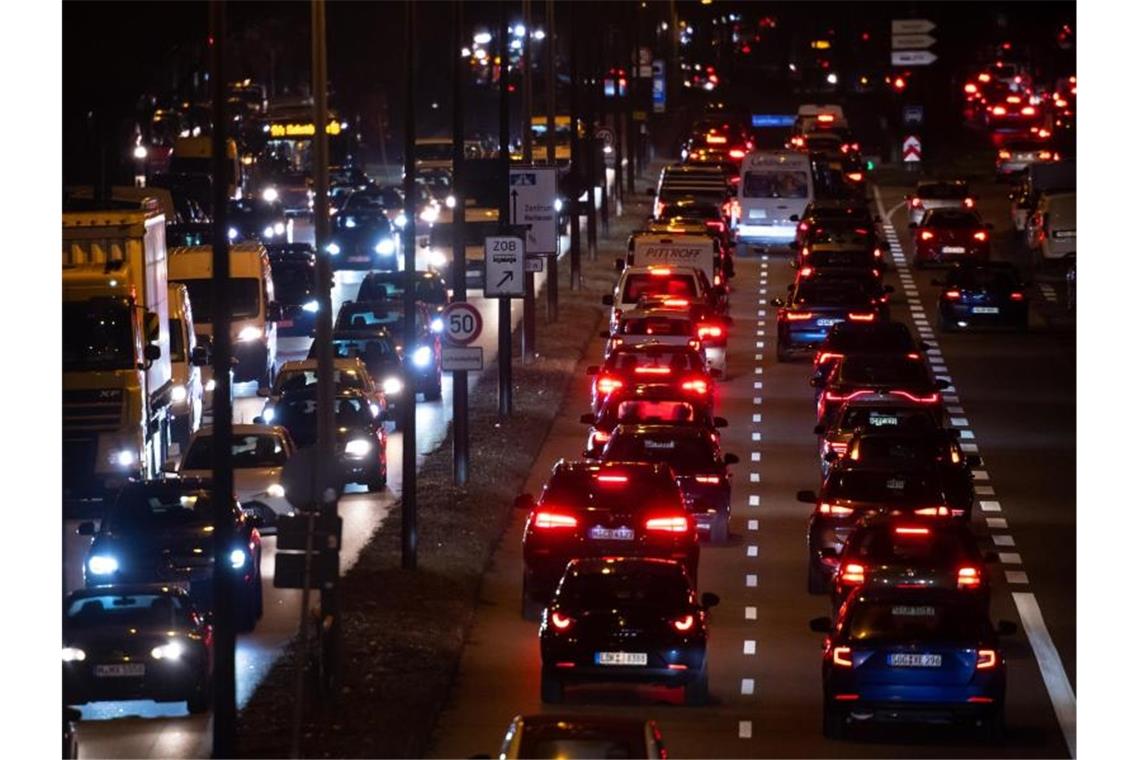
[
  {"x": 186, "y": 360},
  {"x": 253, "y": 314},
  {"x": 1055, "y": 227},
  {"x": 775, "y": 189}
]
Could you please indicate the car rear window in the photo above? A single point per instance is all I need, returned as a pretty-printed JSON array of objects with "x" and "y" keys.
[
  {"x": 953, "y": 219},
  {"x": 684, "y": 455},
  {"x": 635, "y": 489},
  {"x": 296, "y": 379},
  {"x": 661, "y": 412},
  {"x": 674, "y": 361},
  {"x": 638, "y": 285},
  {"x": 621, "y": 584},
  {"x": 655, "y": 326},
  {"x": 906, "y": 543},
  {"x": 890, "y": 621},
  {"x": 841, "y": 232},
  {"x": 998, "y": 279},
  {"x": 883, "y": 371},
  {"x": 562, "y": 740},
  {"x": 829, "y": 293},
  {"x": 943, "y": 191},
  {"x": 903, "y": 489},
  {"x": 887, "y": 339}
]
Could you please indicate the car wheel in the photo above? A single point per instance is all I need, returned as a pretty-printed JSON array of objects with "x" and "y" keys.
[
  {"x": 697, "y": 690},
  {"x": 553, "y": 690},
  {"x": 834, "y": 723},
  {"x": 818, "y": 580},
  {"x": 718, "y": 532},
  {"x": 199, "y": 701},
  {"x": 531, "y": 609}
]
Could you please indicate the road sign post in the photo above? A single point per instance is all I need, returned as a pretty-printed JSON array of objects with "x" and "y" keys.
[
  {"x": 462, "y": 323},
  {"x": 912, "y": 152},
  {"x": 503, "y": 257},
  {"x": 912, "y": 58}
]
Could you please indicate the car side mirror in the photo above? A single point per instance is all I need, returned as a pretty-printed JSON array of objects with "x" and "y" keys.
[
  {"x": 794, "y": 218},
  {"x": 807, "y": 497},
  {"x": 263, "y": 392},
  {"x": 820, "y": 624},
  {"x": 524, "y": 501},
  {"x": 709, "y": 600},
  {"x": 831, "y": 456},
  {"x": 86, "y": 528},
  {"x": 200, "y": 356},
  {"x": 819, "y": 429},
  {"x": 593, "y": 369},
  {"x": 619, "y": 264},
  {"x": 586, "y": 419},
  {"x": 942, "y": 384},
  {"x": 973, "y": 460},
  {"x": 273, "y": 312},
  {"x": 259, "y": 420},
  {"x": 607, "y": 300},
  {"x": 720, "y": 422},
  {"x": 777, "y": 302},
  {"x": 152, "y": 352},
  {"x": 731, "y": 459},
  {"x": 1006, "y": 628}
]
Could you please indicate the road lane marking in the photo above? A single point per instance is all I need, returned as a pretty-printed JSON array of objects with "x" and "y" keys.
[
  {"x": 1003, "y": 539},
  {"x": 996, "y": 522},
  {"x": 749, "y": 646},
  {"x": 749, "y": 613},
  {"x": 745, "y": 730},
  {"x": 1052, "y": 672},
  {"x": 753, "y": 500},
  {"x": 757, "y": 418},
  {"x": 756, "y": 436},
  {"x": 966, "y": 435},
  {"x": 755, "y": 456},
  {"x": 959, "y": 422},
  {"x": 754, "y": 477},
  {"x": 990, "y": 506},
  {"x": 753, "y": 525},
  {"x": 969, "y": 448},
  {"x": 1009, "y": 558},
  {"x": 750, "y": 580},
  {"x": 758, "y": 384},
  {"x": 753, "y": 551},
  {"x": 757, "y": 400},
  {"x": 955, "y": 409},
  {"x": 1016, "y": 577},
  {"x": 950, "y": 399},
  {"x": 984, "y": 490},
  {"x": 747, "y": 685}
]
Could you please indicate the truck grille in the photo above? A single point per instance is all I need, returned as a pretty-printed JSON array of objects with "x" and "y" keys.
[{"x": 92, "y": 410}]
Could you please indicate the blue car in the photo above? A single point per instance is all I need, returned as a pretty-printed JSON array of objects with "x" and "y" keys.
[
  {"x": 814, "y": 305},
  {"x": 914, "y": 655}
]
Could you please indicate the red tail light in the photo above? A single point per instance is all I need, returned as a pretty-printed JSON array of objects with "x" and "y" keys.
[
  {"x": 1017, "y": 295},
  {"x": 971, "y": 88},
  {"x": 939, "y": 511},
  {"x": 826, "y": 118},
  {"x": 916, "y": 202},
  {"x": 560, "y": 621},
  {"x": 852, "y": 574},
  {"x": 709, "y": 331},
  {"x": 968, "y": 202},
  {"x": 715, "y": 225},
  {"x": 612, "y": 480},
  {"x": 926, "y": 235},
  {"x": 969, "y": 577},
  {"x": 696, "y": 385},
  {"x": 987, "y": 659},
  {"x": 736, "y": 153},
  {"x": 716, "y": 279},
  {"x": 913, "y": 532},
  {"x": 716, "y": 140},
  {"x": 660, "y": 271},
  {"x": 601, "y": 437},
  {"x": 878, "y": 253},
  {"x": 981, "y": 236},
  {"x": 841, "y": 657},
  {"x": 838, "y": 448},
  {"x": 933, "y": 398},
  {"x": 861, "y": 317},
  {"x": 855, "y": 176},
  {"x": 806, "y": 271},
  {"x": 983, "y": 77},
  {"x": 797, "y": 316},
  {"x": 913, "y": 355},
  {"x": 952, "y": 295},
  {"x": 1004, "y": 155},
  {"x": 682, "y": 303},
  {"x": 546, "y": 519},
  {"x": 824, "y": 356},
  {"x": 684, "y": 623},
  {"x": 835, "y": 509},
  {"x": 1028, "y": 111},
  {"x": 679, "y": 524},
  {"x": 709, "y": 480},
  {"x": 608, "y": 384},
  {"x": 1044, "y": 155},
  {"x": 803, "y": 226},
  {"x": 999, "y": 111},
  {"x": 652, "y": 370}
]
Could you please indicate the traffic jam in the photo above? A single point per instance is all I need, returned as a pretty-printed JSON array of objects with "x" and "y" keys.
[{"x": 762, "y": 521}]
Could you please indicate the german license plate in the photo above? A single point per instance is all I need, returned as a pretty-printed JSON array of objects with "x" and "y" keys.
[
  {"x": 826, "y": 322},
  {"x": 1065, "y": 234},
  {"x": 612, "y": 534},
  {"x": 985, "y": 310},
  {"x": 358, "y": 258},
  {"x": 915, "y": 660},
  {"x": 953, "y": 249},
  {"x": 127, "y": 670},
  {"x": 621, "y": 658}
]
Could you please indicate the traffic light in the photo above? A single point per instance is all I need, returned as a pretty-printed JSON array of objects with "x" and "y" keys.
[{"x": 898, "y": 84}]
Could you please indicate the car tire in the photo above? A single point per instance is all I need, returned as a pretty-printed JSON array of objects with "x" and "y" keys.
[
  {"x": 697, "y": 690},
  {"x": 553, "y": 690},
  {"x": 380, "y": 482},
  {"x": 718, "y": 531},
  {"x": 530, "y": 608},
  {"x": 201, "y": 698},
  {"x": 834, "y": 723},
  {"x": 817, "y": 579}
]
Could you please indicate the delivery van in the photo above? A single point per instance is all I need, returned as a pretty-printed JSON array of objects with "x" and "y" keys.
[
  {"x": 186, "y": 361},
  {"x": 775, "y": 189}
]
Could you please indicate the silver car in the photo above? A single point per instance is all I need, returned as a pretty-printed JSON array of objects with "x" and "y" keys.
[{"x": 938, "y": 194}]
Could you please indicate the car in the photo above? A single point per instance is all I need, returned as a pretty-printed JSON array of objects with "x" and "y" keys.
[
  {"x": 875, "y": 377},
  {"x": 813, "y": 306},
  {"x": 852, "y": 491},
  {"x": 159, "y": 531},
  {"x": 930, "y": 194},
  {"x": 823, "y": 212},
  {"x": 431, "y": 291},
  {"x": 257, "y": 219},
  {"x": 1051, "y": 230},
  {"x": 1016, "y": 155},
  {"x": 351, "y": 373},
  {"x": 136, "y": 641},
  {"x": 648, "y": 405},
  {"x": 626, "y": 619},
  {"x": 871, "y": 412},
  {"x": 842, "y": 235},
  {"x": 362, "y": 241},
  {"x": 293, "y": 268},
  {"x": 581, "y": 737},
  {"x": 423, "y": 360},
  {"x": 386, "y": 201},
  {"x": 912, "y": 654},
  {"x": 259, "y": 454},
  {"x": 876, "y": 337},
  {"x": 635, "y": 283},
  {"x": 700, "y": 467},
  {"x": 591, "y": 509},
  {"x": 948, "y": 235},
  {"x": 712, "y": 326},
  {"x": 1016, "y": 114},
  {"x": 378, "y": 351},
  {"x": 683, "y": 368},
  {"x": 361, "y": 441},
  {"x": 832, "y": 265},
  {"x": 896, "y": 552},
  {"x": 984, "y": 294}
]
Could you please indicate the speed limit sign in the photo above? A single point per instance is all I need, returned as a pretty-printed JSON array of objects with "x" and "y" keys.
[{"x": 462, "y": 323}]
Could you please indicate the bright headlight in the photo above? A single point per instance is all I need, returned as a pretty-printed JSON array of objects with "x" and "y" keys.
[
  {"x": 178, "y": 394},
  {"x": 333, "y": 249},
  {"x": 237, "y": 559},
  {"x": 437, "y": 258},
  {"x": 268, "y": 414},
  {"x": 392, "y": 386},
  {"x": 267, "y": 232},
  {"x": 437, "y": 325},
  {"x": 102, "y": 564},
  {"x": 279, "y": 228},
  {"x": 169, "y": 651},
  {"x": 421, "y": 357},
  {"x": 123, "y": 457},
  {"x": 385, "y": 247},
  {"x": 357, "y": 447},
  {"x": 558, "y": 204},
  {"x": 312, "y": 307},
  {"x": 231, "y": 233},
  {"x": 276, "y": 490},
  {"x": 350, "y": 223},
  {"x": 375, "y": 409},
  {"x": 450, "y": 201},
  {"x": 210, "y": 385},
  {"x": 74, "y": 654},
  {"x": 402, "y": 220},
  {"x": 269, "y": 194},
  {"x": 429, "y": 214},
  {"x": 249, "y": 333}
]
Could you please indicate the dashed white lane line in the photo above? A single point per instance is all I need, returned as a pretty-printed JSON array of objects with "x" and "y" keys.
[
  {"x": 753, "y": 500},
  {"x": 969, "y": 448},
  {"x": 757, "y": 418},
  {"x": 966, "y": 435},
  {"x": 755, "y": 456},
  {"x": 1003, "y": 539},
  {"x": 984, "y": 490},
  {"x": 745, "y": 730},
  {"x": 996, "y": 522},
  {"x": 749, "y": 646},
  {"x": 1009, "y": 558},
  {"x": 756, "y": 436},
  {"x": 989, "y": 506},
  {"x": 754, "y": 477},
  {"x": 757, "y": 400},
  {"x": 1016, "y": 577},
  {"x": 1052, "y": 672},
  {"x": 750, "y": 580},
  {"x": 749, "y": 613},
  {"x": 955, "y": 409},
  {"x": 753, "y": 551},
  {"x": 747, "y": 685},
  {"x": 959, "y": 422}
]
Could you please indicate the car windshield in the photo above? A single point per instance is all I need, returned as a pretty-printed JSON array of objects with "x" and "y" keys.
[
  {"x": 894, "y": 543},
  {"x": 773, "y": 183},
  {"x": 891, "y": 338},
  {"x": 247, "y": 451},
  {"x": 655, "y": 326},
  {"x": 625, "y": 584},
  {"x": 685, "y": 455},
  {"x": 942, "y": 191},
  {"x": 291, "y": 379},
  {"x": 147, "y": 611},
  {"x": 888, "y": 370},
  {"x": 902, "y": 488},
  {"x": 953, "y": 219},
  {"x": 300, "y": 412},
  {"x": 245, "y": 297},
  {"x": 656, "y": 363},
  {"x": 98, "y": 335},
  {"x": 638, "y": 285},
  {"x": 368, "y": 350},
  {"x": 294, "y": 281},
  {"x": 150, "y": 508},
  {"x": 563, "y": 740},
  {"x": 390, "y": 285},
  {"x": 924, "y": 620}
]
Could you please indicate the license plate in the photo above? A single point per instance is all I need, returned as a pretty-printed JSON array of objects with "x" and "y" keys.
[
  {"x": 953, "y": 249},
  {"x": 621, "y": 658},
  {"x": 128, "y": 670},
  {"x": 1065, "y": 234},
  {"x": 985, "y": 310},
  {"x": 358, "y": 258},
  {"x": 284, "y": 323},
  {"x": 611, "y": 534},
  {"x": 915, "y": 660},
  {"x": 757, "y": 213},
  {"x": 826, "y": 322}
]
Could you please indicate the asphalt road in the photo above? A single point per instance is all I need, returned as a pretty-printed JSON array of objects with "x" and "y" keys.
[{"x": 1016, "y": 396}]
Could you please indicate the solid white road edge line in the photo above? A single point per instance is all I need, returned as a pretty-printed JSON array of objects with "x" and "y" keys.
[{"x": 1052, "y": 672}]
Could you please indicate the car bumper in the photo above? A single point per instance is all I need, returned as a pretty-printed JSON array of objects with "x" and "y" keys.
[
  {"x": 577, "y": 662},
  {"x": 964, "y": 315},
  {"x": 765, "y": 234},
  {"x": 163, "y": 682},
  {"x": 937, "y": 254}
]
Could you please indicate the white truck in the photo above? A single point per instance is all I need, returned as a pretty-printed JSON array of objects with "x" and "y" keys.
[
  {"x": 117, "y": 381},
  {"x": 697, "y": 251}
]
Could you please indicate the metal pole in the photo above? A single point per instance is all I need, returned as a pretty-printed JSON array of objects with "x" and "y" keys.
[
  {"x": 222, "y": 494},
  {"x": 577, "y": 175},
  {"x": 591, "y": 162},
  {"x": 326, "y": 382},
  {"x": 630, "y": 124},
  {"x": 552, "y": 271},
  {"x": 504, "y": 213},
  {"x": 602, "y": 59},
  {"x": 461, "y": 439},
  {"x": 528, "y": 331},
  {"x": 408, "y": 491}
]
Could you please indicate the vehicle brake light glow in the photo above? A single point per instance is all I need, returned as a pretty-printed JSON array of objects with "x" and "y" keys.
[
  {"x": 933, "y": 511},
  {"x": 933, "y": 398},
  {"x": 912, "y": 531},
  {"x": 855, "y": 176},
  {"x": 736, "y": 153},
  {"x": 607, "y": 384},
  {"x": 677, "y": 302},
  {"x": 916, "y": 202},
  {"x": 560, "y": 621},
  {"x": 803, "y": 226},
  {"x": 852, "y": 574},
  {"x": 711, "y": 480},
  {"x": 613, "y": 479},
  {"x": 824, "y": 356},
  {"x": 601, "y": 437},
  {"x": 1004, "y": 155},
  {"x": 714, "y": 224},
  {"x": 926, "y": 235},
  {"x": 987, "y": 659},
  {"x": 684, "y": 624},
  {"x": 1028, "y": 111},
  {"x": 826, "y": 118},
  {"x": 1017, "y": 295},
  {"x": 797, "y": 316},
  {"x": 841, "y": 657},
  {"x": 652, "y": 370},
  {"x": 709, "y": 331},
  {"x": 716, "y": 139},
  {"x": 806, "y": 271},
  {"x": 981, "y": 235},
  {"x": 861, "y": 317},
  {"x": 969, "y": 577},
  {"x": 968, "y": 202},
  {"x": 984, "y": 77},
  {"x": 971, "y": 88},
  {"x": 1044, "y": 155},
  {"x": 679, "y": 524},
  {"x": 696, "y": 386},
  {"x": 835, "y": 509},
  {"x": 547, "y": 519},
  {"x": 999, "y": 111},
  {"x": 660, "y": 271},
  {"x": 952, "y": 295}
]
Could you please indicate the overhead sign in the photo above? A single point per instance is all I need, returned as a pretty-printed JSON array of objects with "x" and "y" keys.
[
  {"x": 462, "y": 359},
  {"x": 301, "y": 130},
  {"x": 912, "y": 58},
  {"x": 659, "y": 86},
  {"x": 911, "y": 41},
  {"x": 912, "y": 148},
  {"x": 912, "y": 116},
  {"x": 503, "y": 257},
  {"x": 911, "y": 26},
  {"x": 533, "y": 263},
  {"x": 462, "y": 323},
  {"x": 773, "y": 119},
  {"x": 533, "y": 191}
]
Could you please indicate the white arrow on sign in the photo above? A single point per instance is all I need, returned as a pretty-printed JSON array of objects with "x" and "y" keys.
[
  {"x": 912, "y": 58},
  {"x": 911, "y": 26},
  {"x": 912, "y": 41}
]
